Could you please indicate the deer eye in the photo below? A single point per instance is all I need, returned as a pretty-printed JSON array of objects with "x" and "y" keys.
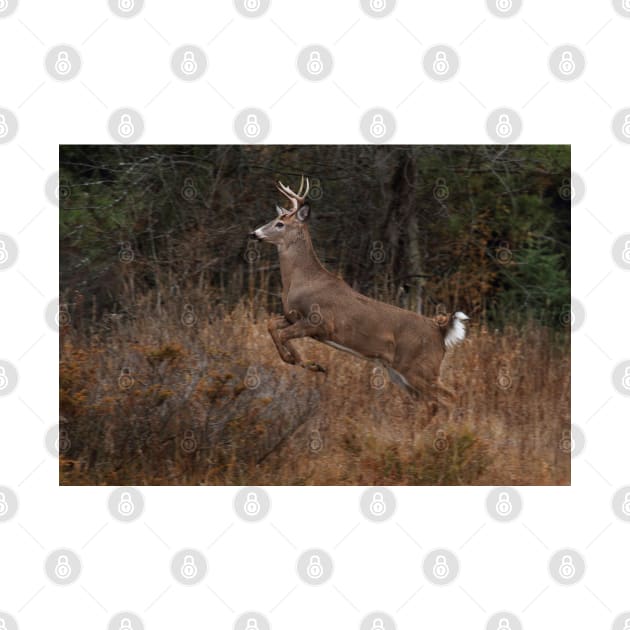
[{"x": 279, "y": 224}]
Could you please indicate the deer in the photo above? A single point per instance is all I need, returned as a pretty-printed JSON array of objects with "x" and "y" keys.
[{"x": 319, "y": 305}]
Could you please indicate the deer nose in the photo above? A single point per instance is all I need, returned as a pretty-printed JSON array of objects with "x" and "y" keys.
[{"x": 253, "y": 234}]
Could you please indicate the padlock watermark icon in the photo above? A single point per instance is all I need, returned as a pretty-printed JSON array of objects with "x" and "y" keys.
[
  {"x": 315, "y": 441},
  {"x": 504, "y": 126},
  {"x": 189, "y": 62},
  {"x": 62, "y": 62},
  {"x": 189, "y": 569},
  {"x": 377, "y": 125},
  {"x": 440, "y": 568},
  {"x": 625, "y": 254},
  {"x": 189, "y": 191},
  {"x": 504, "y": 5},
  {"x": 567, "y": 63},
  {"x": 625, "y": 381},
  {"x": 125, "y": 254},
  {"x": 377, "y": 378},
  {"x": 8, "y": 125},
  {"x": 567, "y": 190},
  {"x": 4, "y": 254},
  {"x": 8, "y": 378},
  {"x": 125, "y": 621},
  {"x": 63, "y": 566},
  {"x": 625, "y": 505},
  {"x": 567, "y": 568},
  {"x": 125, "y": 379},
  {"x": 315, "y": 317},
  {"x": 440, "y": 63},
  {"x": 252, "y": 9},
  {"x": 378, "y": 128},
  {"x": 315, "y": 62},
  {"x": 4, "y": 379},
  {"x": 126, "y": 506},
  {"x": 189, "y": 65},
  {"x": 252, "y": 380},
  {"x": 125, "y": 126},
  {"x": 188, "y": 318},
  {"x": 314, "y": 566},
  {"x": 314, "y": 570},
  {"x": 125, "y": 8},
  {"x": 504, "y": 505},
  {"x": 4, "y": 505},
  {"x": 315, "y": 65},
  {"x": 63, "y": 66},
  {"x": 8, "y": 503},
  {"x": 377, "y": 252},
  {"x": 189, "y": 442},
  {"x": 377, "y": 505},
  {"x": 63, "y": 570},
  {"x": 252, "y": 504},
  {"x": 378, "y": 5},
  {"x": 440, "y": 190},
  {"x": 377, "y": 620},
  {"x": 252, "y": 127},
  {"x": 504, "y": 621}
]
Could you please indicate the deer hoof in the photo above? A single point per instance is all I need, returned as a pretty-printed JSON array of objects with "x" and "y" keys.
[{"x": 315, "y": 367}]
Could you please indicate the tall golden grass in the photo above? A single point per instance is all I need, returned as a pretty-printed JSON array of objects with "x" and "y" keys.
[{"x": 177, "y": 395}]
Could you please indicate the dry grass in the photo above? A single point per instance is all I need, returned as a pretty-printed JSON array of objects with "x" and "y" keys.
[{"x": 154, "y": 400}]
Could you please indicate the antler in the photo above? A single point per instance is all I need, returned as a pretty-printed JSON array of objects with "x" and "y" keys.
[{"x": 296, "y": 198}]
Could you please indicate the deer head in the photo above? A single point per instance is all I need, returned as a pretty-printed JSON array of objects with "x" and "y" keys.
[{"x": 289, "y": 225}]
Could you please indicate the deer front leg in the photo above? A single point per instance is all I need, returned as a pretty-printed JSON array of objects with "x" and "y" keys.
[
  {"x": 286, "y": 350},
  {"x": 301, "y": 328}
]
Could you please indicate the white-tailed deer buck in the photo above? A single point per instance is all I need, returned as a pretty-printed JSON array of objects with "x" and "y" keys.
[{"x": 319, "y": 305}]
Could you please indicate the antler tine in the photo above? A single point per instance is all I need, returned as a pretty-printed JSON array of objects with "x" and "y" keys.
[
  {"x": 289, "y": 194},
  {"x": 308, "y": 187},
  {"x": 299, "y": 192},
  {"x": 296, "y": 198}
]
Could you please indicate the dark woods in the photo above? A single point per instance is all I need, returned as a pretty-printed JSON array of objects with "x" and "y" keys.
[{"x": 485, "y": 229}]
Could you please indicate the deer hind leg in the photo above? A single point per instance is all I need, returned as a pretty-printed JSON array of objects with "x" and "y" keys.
[{"x": 432, "y": 393}]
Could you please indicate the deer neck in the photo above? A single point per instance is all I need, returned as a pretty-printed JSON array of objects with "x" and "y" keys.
[{"x": 298, "y": 260}]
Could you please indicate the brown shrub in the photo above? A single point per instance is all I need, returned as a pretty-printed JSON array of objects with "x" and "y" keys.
[{"x": 155, "y": 400}]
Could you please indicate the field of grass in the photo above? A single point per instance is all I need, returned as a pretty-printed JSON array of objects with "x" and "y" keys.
[{"x": 177, "y": 395}]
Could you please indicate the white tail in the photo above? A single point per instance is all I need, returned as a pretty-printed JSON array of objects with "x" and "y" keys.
[
  {"x": 319, "y": 305},
  {"x": 456, "y": 331}
]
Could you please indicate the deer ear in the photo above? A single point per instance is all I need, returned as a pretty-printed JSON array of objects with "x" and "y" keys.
[{"x": 304, "y": 212}]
